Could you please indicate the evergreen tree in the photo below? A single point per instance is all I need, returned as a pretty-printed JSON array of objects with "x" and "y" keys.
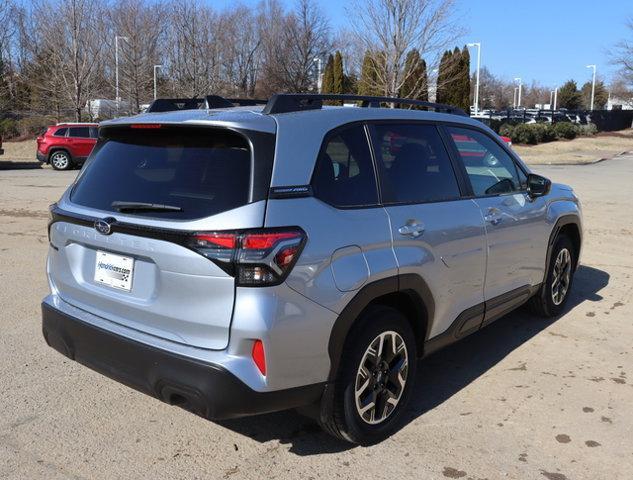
[
  {"x": 415, "y": 78},
  {"x": 464, "y": 81},
  {"x": 453, "y": 90},
  {"x": 424, "y": 83},
  {"x": 569, "y": 97},
  {"x": 368, "y": 76},
  {"x": 600, "y": 98},
  {"x": 442, "y": 76},
  {"x": 327, "y": 83},
  {"x": 338, "y": 85}
]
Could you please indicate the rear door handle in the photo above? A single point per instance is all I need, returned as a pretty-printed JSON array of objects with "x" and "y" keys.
[{"x": 413, "y": 229}]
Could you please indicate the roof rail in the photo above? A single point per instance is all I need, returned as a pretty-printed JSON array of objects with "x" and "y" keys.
[
  {"x": 296, "y": 102},
  {"x": 210, "y": 102},
  {"x": 171, "y": 104}
]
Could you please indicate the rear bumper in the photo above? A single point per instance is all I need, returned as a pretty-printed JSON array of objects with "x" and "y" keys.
[
  {"x": 42, "y": 157},
  {"x": 206, "y": 389}
]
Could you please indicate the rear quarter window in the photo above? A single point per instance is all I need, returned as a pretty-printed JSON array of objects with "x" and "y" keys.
[{"x": 202, "y": 171}]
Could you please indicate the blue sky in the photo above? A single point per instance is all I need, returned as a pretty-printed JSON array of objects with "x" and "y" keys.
[{"x": 549, "y": 41}]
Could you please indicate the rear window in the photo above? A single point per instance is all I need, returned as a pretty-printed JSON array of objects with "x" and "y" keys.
[
  {"x": 79, "y": 132},
  {"x": 202, "y": 172}
]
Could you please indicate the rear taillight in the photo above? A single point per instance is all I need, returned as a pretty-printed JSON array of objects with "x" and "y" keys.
[{"x": 255, "y": 258}]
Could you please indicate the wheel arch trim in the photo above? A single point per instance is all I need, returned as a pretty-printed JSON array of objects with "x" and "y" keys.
[
  {"x": 411, "y": 284},
  {"x": 562, "y": 221}
]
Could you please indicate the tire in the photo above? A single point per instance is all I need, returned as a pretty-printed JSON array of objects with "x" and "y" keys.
[
  {"x": 60, "y": 160},
  {"x": 551, "y": 298},
  {"x": 352, "y": 421}
]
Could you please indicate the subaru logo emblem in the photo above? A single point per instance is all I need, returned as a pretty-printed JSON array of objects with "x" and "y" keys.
[{"x": 103, "y": 226}]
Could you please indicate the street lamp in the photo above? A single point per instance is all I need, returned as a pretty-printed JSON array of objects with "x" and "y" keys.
[
  {"x": 155, "y": 68},
  {"x": 555, "y": 97},
  {"x": 518, "y": 79},
  {"x": 116, "y": 66},
  {"x": 593, "y": 84},
  {"x": 514, "y": 97},
  {"x": 478, "y": 45},
  {"x": 318, "y": 61}
]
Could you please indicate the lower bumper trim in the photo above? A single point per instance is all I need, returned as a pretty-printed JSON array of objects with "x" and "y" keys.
[{"x": 205, "y": 389}]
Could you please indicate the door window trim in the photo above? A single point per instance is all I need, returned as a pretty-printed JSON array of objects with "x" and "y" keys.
[
  {"x": 324, "y": 144},
  {"x": 379, "y": 166},
  {"x": 454, "y": 151}
]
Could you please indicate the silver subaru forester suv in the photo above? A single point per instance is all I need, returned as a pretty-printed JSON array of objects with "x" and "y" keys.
[{"x": 243, "y": 260}]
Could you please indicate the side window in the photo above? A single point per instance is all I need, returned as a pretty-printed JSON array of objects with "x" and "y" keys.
[
  {"x": 344, "y": 174},
  {"x": 413, "y": 164},
  {"x": 490, "y": 169},
  {"x": 79, "y": 132},
  {"x": 94, "y": 132},
  {"x": 60, "y": 132}
]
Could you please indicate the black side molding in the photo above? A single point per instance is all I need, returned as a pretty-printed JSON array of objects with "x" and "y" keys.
[{"x": 477, "y": 317}]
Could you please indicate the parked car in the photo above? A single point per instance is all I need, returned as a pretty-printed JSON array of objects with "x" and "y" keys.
[
  {"x": 67, "y": 145},
  {"x": 295, "y": 255},
  {"x": 1, "y": 149}
]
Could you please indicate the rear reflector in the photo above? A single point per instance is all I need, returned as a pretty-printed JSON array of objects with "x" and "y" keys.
[{"x": 258, "y": 356}]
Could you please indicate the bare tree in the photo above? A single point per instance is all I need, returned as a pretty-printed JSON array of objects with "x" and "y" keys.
[
  {"x": 140, "y": 22},
  {"x": 70, "y": 60},
  {"x": 241, "y": 43},
  {"x": 622, "y": 55},
  {"x": 192, "y": 49},
  {"x": 391, "y": 28},
  {"x": 291, "y": 43}
]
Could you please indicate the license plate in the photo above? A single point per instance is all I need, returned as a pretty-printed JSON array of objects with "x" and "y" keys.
[{"x": 114, "y": 270}]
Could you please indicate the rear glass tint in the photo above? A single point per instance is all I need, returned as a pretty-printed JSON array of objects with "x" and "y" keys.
[{"x": 201, "y": 171}]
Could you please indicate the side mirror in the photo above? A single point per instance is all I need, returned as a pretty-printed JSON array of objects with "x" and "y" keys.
[{"x": 538, "y": 186}]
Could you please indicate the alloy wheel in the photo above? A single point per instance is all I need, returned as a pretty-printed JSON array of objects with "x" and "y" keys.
[
  {"x": 561, "y": 277},
  {"x": 381, "y": 377},
  {"x": 60, "y": 160}
]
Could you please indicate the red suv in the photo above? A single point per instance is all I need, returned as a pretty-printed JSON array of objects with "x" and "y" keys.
[{"x": 66, "y": 145}]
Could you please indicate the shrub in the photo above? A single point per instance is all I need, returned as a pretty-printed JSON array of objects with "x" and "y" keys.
[
  {"x": 543, "y": 132},
  {"x": 9, "y": 128},
  {"x": 524, "y": 134},
  {"x": 506, "y": 130},
  {"x": 565, "y": 130},
  {"x": 587, "y": 130},
  {"x": 32, "y": 126}
]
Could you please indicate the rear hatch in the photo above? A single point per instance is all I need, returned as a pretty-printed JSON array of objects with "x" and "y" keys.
[{"x": 123, "y": 237}]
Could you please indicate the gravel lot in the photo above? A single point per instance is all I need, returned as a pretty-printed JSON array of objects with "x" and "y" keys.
[{"x": 522, "y": 399}]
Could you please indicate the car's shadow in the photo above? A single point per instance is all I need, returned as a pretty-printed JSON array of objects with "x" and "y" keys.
[{"x": 439, "y": 377}]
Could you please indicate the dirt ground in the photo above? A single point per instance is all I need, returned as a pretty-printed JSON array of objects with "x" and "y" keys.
[
  {"x": 581, "y": 150},
  {"x": 19, "y": 151},
  {"x": 524, "y": 398}
]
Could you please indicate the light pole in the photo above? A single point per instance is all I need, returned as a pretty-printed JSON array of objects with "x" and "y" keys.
[
  {"x": 518, "y": 79},
  {"x": 551, "y": 99},
  {"x": 319, "y": 82},
  {"x": 155, "y": 68},
  {"x": 593, "y": 84},
  {"x": 555, "y": 97},
  {"x": 514, "y": 97},
  {"x": 478, "y": 45},
  {"x": 116, "y": 66}
]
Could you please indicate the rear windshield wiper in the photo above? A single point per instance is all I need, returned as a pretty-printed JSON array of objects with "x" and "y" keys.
[{"x": 141, "y": 206}]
